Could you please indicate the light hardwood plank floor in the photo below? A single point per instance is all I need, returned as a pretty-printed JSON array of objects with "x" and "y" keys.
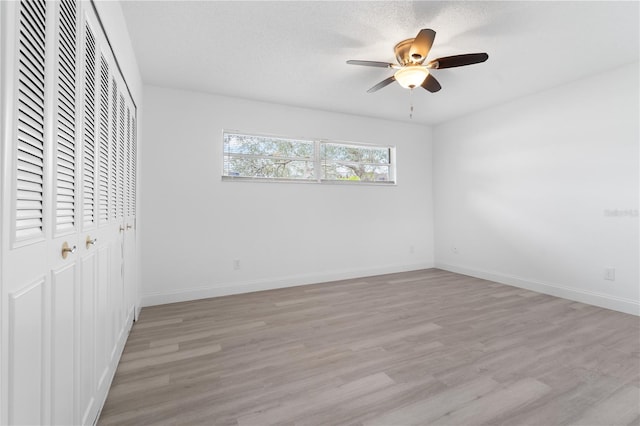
[{"x": 426, "y": 347}]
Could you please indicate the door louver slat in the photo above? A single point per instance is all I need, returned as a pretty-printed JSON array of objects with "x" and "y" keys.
[
  {"x": 113, "y": 173},
  {"x": 65, "y": 118},
  {"x": 30, "y": 154},
  {"x": 128, "y": 166},
  {"x": 88, "y": 143},
  {"x": 103, "y": 164},
  {"x": 134, "y": 155},
  {"x": 30, "y": 120},
  {"x": 34, "y": 45},
  {"x": 37, "y": 14},
  {"x": 121, "y": 155},
  {"x": 32, "y": 103}
]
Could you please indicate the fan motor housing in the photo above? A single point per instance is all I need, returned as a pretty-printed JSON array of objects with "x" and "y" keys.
[{"x": 402, "y": 52}]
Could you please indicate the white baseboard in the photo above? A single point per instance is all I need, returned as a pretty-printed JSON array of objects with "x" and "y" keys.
[
  {"x": 628, "y": 306},
  {"x": 226, "y": 289}
]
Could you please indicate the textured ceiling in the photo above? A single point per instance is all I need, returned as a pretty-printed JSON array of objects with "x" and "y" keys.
[{"x": 294, "y": 53}]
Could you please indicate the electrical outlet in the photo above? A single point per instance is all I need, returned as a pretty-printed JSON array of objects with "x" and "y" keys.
[
  {"x": 412, "y": 249},
  {"x": 610, "y": 274},
  {"x": 236, "y": 264},
  {"x": 454, "y": 250}
]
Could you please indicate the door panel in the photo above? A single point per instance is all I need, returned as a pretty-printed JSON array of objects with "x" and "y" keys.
[
  {"x": 102, "y": 317},
  {"x": 129, "y": 269},
  {"x": 26, "y": 356},
  {"x": 87, "y": 337},
  {"x": 116, "y": 292},
  {"x": 63, "y": 342}
]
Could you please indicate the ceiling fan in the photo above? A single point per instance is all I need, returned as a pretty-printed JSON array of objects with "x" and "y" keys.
[{"x": 411, "y": 54}]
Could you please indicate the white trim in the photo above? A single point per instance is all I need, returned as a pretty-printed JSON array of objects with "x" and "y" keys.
[
  {"x": 225, "y": 289},
  {"x": 309, "y": 181},
  {"x": 628, "y": 306},
  {"x": 4, "y": 121}
]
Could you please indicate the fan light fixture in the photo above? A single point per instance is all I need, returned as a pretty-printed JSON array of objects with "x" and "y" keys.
[
  {"x": 412, "y": 71},
  {"x": 411, "y": 76}
]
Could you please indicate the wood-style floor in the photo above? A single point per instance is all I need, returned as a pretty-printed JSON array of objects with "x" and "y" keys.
[{"x": 427, "y": 347}]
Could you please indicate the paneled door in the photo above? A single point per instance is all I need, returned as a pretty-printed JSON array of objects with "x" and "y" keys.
[
  {"x": 68, "y": 213},
  {"x": 27, "y": 249},
  {"x": 63, "y": 142}
]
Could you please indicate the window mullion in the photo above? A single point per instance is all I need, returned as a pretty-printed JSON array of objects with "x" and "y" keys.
[{"x": 317, "y": 165}]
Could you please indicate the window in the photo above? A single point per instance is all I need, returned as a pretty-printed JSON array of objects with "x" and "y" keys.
[
  {"x": 283, "y": 159},
  {"x": 268, "y": 157},
  {"x": 355, "y": 162}
]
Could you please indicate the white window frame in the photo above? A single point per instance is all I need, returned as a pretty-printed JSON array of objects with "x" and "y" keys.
[{"x": 316, "y": 160}]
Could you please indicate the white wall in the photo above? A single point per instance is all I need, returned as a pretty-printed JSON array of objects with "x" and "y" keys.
[
  {"x": 195, "y": 224},
  {"x": 521, "y": 190}
]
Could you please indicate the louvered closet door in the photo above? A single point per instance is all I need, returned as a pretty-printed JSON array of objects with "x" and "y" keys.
[
  {"x": 106, "y": 310},
  {"x": 116, "y": 290},
  {"x": 88, "y": 258},
  {"x": 130, "y": 273},
  {"x": 26, "y": 210},
  {"x": 101, "y": 253},
  {"x": 41, "y": 295},
  {"x": 129, "y": 246},
  {"x": 65, "y": 223},
  {"x": 105, "y": 235},
  {"x": 67, "y": 179}
]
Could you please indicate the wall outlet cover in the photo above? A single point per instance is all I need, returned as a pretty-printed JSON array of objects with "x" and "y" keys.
[{"x": 610, "y": 274}]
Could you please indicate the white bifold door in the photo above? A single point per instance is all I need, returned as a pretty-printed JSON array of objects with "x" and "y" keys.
[{"x": 68, "y": 254}]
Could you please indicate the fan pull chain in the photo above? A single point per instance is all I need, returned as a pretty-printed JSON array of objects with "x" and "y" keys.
[{"x": 411, "y": 104}]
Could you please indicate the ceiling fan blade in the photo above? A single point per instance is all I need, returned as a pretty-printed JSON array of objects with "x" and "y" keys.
[
  {"x": 382, "y": 84},
  {"x": 458, "y": 60},
  {"x": 370, "y": 63},
  {"x": 422, "y": 45},
  {"x": 431, "y": 84}
]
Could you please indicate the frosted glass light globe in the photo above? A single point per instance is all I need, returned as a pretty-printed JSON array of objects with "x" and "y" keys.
[{"x": 411, "y": 76}]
